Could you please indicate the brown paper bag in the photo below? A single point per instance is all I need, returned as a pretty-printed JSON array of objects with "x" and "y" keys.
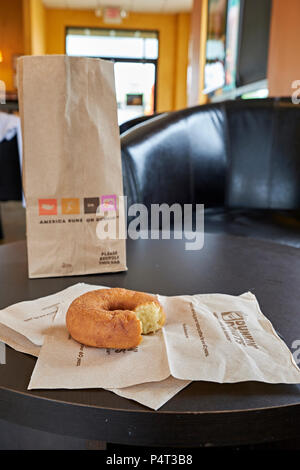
[{"x": 72, "y": 172}]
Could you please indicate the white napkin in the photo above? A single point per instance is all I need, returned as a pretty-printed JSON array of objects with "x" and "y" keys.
[
  {"x": 213, "y": 337},
  {"x": 216, "y": 337},
  {"x": 35, "y": 318}
]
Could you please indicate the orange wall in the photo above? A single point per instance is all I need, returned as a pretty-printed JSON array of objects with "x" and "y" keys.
[
  {"x": 171, "y": 92},
  {"x": 34, "y": 20},
  {"x": 181, "y": 59},
  {"x": 38, "y": 25},
  {"x": 284, "y": 63},
  {"x": 11, "y": 38}
]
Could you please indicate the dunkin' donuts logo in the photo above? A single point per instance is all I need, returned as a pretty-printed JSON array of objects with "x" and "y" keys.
[
  {"x": 73, "y": 206},
  {"x": 232, "y": 316},
  {"x": 237, "y": 326}
]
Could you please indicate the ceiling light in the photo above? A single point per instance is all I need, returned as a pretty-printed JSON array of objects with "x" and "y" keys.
[{"x": 123, "y": 13}]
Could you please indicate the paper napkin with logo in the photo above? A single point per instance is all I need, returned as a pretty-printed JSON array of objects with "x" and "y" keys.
[
  {"x": 224, "y": 338},
  {"x": 216, "y": 337}
]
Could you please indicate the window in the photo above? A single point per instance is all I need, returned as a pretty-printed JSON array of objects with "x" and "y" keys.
[{"x": 135, "y": 54}]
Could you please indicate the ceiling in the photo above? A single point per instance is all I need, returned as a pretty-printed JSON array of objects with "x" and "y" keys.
[{"x": 158, "y": 6}]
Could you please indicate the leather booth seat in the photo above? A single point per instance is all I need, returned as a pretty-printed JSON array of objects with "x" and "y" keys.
[{"x": 241, "y": 159}]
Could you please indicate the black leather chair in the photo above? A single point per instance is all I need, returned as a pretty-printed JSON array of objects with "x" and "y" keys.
[
  {"x": 239, "y": 158},
  {"x": 135, "y": 122}
]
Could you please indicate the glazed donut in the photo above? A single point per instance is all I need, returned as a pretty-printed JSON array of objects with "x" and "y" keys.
[{"x": 113, "y": 318}]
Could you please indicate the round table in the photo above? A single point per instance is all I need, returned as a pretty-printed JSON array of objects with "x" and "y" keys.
[{"x": 204, "y": 412}]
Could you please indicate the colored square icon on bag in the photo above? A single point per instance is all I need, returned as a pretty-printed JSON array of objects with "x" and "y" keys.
[
  {"x": 109, "y": 203},
  {"x": 70, "y": 206},
  {"x": 48, "y": 206},
  {"x": 91, "y": 205}
]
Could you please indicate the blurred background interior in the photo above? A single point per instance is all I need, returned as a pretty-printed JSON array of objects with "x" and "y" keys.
[{"x": 169, "y": 55}]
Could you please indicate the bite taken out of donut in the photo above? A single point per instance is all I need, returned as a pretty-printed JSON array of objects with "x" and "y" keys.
[{"x": 114, "y": 318}]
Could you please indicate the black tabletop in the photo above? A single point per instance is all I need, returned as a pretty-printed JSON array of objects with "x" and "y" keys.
[{"x": 204, "y": 412}]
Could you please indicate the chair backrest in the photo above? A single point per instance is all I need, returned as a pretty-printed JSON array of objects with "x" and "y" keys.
[
  {"x": 264, "y": 149},
  {"x": 125, "y": 126},
  {"x": 242, "y": 154},
  {"x": 176, "y": 158}
]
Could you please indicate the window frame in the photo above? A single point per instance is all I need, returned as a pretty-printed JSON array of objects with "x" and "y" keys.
[{"x": 155, "y": 62}]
